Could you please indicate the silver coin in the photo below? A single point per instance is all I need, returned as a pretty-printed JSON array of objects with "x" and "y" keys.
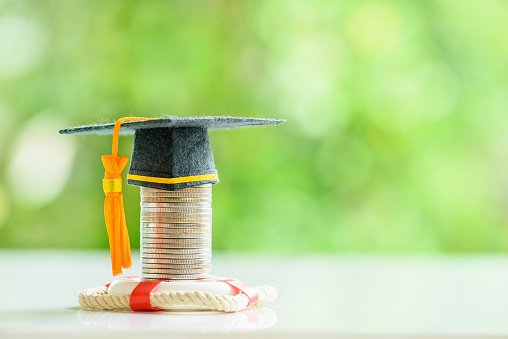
[
  {"x": 164, "y": 225},
  {"x": 175, "y": 276},
  {"x": 169, "y": 248},
  {"x": 206, "y": 214},
  {"x": 176, "y": 251},
  {"x": 172, "y": 261},
  {"x": 203, "y": 186},
  {"x": 184, "y": 271},
  {"x": 199, "y": 188},
  {"x": 177, "y": 232},
  {"x": 156, "y": 277},
  {"x": 162, "y": 193},
  {"x": 176, "y": 228},
  {"x": 175, "y": 271},
  {"x": 195, "y": 261},
  {"x": 161, "y": 220},
  {"x": 174, "y": 246},
  {"x": 179, "y": 241},
  {"x": 176, "y": 210},
  {"x": 177, "y": 256},
  {"x": 151, "y": 248},
  {"x": 202, "y": 200},
  {"x": 171, "y": 205},
  {"x": 195, "y": 189},
  {"x": 181, "y": 195},
  {"x": 175, "y": 266},
  {"x": 203, "y": 190},
  {"x": 175, "y": 243},
  {"x": 176, "y": 236},
  {"x": 189, "y": 259},
  {"x": 175, "y": 194},
  {"x": 183, "y": 262},
  {"x": 176, "y": 259}
]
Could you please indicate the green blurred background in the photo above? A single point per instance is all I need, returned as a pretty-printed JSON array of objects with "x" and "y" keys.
[{"x": 396, "y": 137}]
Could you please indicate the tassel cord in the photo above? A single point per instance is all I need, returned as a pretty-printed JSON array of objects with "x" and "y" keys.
[{"x": 114, "y": 213}]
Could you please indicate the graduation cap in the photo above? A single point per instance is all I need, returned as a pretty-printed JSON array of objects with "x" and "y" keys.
[{"x": 170, "y": 153}]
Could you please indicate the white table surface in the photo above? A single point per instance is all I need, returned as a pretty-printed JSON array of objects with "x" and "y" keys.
[{"x": 344, "y": 296}]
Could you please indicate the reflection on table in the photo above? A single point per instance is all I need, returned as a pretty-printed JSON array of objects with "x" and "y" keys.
[{"x": 255, "y": 318}]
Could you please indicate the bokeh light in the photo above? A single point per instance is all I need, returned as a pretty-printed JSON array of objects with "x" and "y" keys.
[
  {"x": 41, "y": 163},
  {"x": 395, "y": 140}
]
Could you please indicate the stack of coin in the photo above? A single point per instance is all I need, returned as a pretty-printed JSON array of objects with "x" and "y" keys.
[{"x": 176, "y": 233}]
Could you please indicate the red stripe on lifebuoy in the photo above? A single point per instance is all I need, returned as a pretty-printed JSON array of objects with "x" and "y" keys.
[
  {"x": 240, "y": 287},
  {"x": 140, "y": 296}
]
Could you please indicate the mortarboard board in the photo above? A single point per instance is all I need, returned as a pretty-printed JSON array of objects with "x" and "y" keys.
[{"x": 169, "y": 154}]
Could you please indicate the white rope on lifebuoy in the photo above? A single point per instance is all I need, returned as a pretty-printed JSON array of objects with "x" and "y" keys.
[{"x": 98, "y": 298}]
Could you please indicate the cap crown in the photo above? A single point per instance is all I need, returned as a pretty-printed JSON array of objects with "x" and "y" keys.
[{"x": 171, "y": 153}]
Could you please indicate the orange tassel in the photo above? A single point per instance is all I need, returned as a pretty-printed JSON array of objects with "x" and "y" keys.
[{"x": 114, "y": 213}]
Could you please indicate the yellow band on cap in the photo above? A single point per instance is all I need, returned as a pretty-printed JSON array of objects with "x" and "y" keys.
[
  {"x": 112, "y": 185},
  {"x": 179, "y": 180}
]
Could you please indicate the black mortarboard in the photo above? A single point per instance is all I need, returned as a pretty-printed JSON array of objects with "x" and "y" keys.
[{"x": 172, "y": 153}]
